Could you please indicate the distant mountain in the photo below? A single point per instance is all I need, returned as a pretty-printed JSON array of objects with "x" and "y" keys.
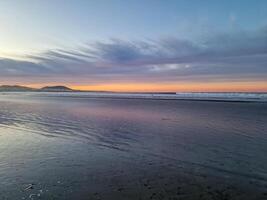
[
  {"x": 15, "y": 88},
  {"x": 56, "y": 89},
  {"x": 60, "y": 88},
  {"x": 18, "y": 88}
]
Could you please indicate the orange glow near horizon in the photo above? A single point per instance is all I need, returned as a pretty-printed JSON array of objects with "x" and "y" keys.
[{"x": 259, "y": 86}]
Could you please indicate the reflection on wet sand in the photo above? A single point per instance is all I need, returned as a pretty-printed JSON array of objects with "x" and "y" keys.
[{"x": 71, "y": 148}]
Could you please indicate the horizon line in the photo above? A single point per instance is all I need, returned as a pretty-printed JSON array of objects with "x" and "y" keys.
[{"x": 133, "y": 91}]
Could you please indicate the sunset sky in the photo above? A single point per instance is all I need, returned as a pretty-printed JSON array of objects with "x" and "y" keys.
[{"x": 135, "y": 45}]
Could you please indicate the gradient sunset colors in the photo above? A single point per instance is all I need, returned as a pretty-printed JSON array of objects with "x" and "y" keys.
[{"x": 135, "y": 46}]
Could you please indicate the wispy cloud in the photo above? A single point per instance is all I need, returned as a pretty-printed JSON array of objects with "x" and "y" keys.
[{"x": 223, "y": 56}]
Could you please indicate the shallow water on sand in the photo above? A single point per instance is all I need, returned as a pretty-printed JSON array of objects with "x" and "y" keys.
[{"x": 103, "y": 148}]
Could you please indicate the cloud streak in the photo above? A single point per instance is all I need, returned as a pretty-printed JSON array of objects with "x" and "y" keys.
[{"x": 223, "y": 56}]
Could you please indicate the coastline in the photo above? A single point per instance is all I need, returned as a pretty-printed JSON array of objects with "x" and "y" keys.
[{"x": 194, "y": 96}]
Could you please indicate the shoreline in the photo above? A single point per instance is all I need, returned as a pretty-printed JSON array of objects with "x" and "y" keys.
[{"x": 209, "y": 97}]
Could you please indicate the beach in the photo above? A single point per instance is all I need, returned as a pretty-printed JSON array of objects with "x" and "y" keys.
[{"x": 55, "y": 146}]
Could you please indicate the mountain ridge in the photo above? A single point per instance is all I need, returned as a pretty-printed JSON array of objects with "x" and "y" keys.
[
  {"x": 56, "y": 88},
  {"x": 19, "y": 88},
  {"x": 60, "y": 88}
]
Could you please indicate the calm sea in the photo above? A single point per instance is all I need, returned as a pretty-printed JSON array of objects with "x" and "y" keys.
[{"x": 89, "y": 147}]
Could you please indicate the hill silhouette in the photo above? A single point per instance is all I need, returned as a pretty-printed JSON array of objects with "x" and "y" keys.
[{"x": 19, "y": 88}]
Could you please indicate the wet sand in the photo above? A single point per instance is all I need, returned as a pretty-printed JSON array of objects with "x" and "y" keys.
[{"x": 97, "y": 148}]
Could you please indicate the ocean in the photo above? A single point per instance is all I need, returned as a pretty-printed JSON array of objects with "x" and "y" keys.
[{"x": 133, "y": 146}]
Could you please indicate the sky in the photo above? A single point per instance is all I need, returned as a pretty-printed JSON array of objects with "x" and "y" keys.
[{"x": 135, "y": 45}]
